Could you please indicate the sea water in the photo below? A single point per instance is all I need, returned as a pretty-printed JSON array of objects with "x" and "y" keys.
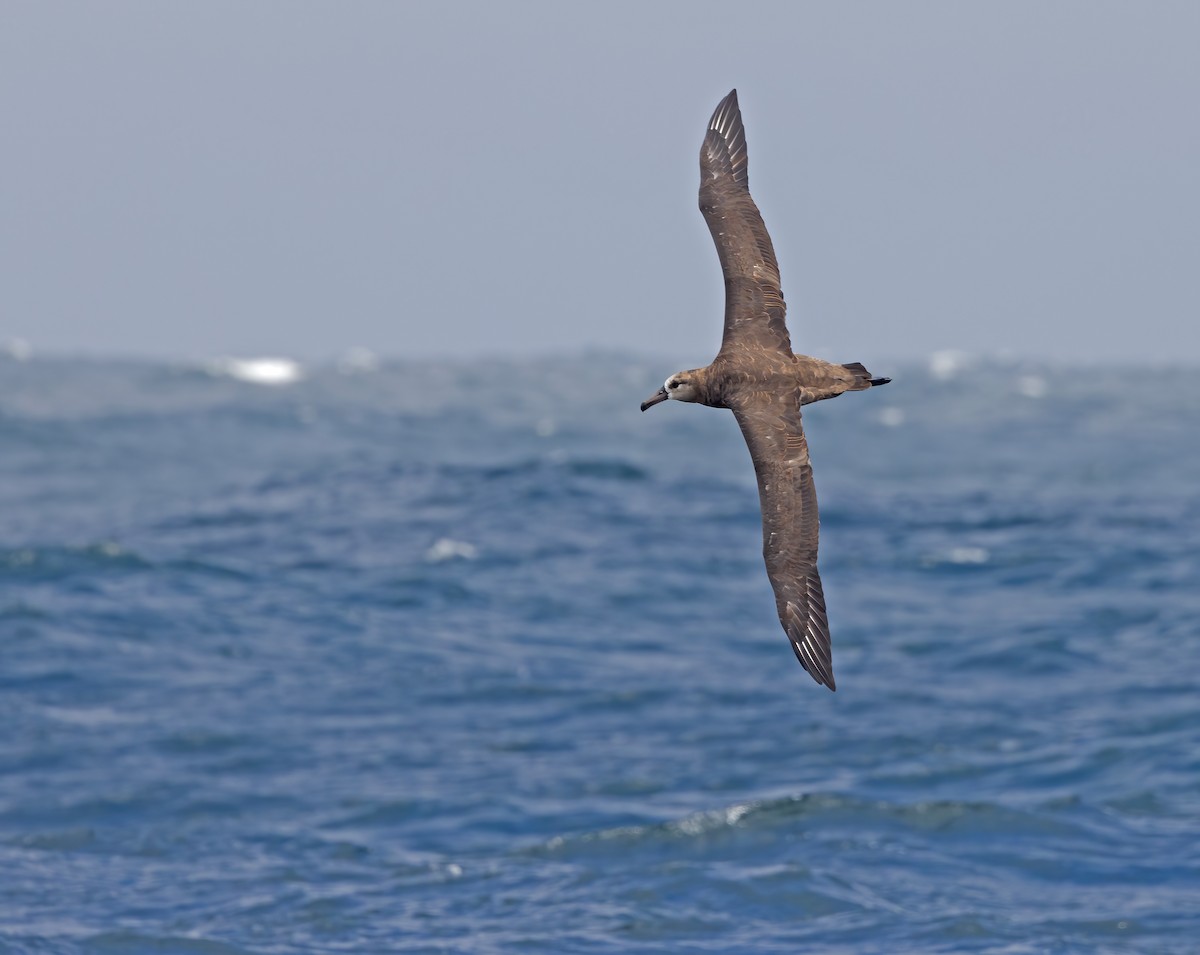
[{"x": 474, "y": 657}]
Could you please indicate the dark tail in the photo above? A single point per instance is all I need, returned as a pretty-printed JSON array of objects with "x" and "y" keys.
[{"x": 862, "y": 377}]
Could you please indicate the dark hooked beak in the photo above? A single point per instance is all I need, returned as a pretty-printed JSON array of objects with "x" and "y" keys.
[{"x": 660, "y": 395}]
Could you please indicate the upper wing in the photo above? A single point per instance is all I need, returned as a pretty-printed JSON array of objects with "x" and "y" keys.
[
  {"x": 772, "y": 429},
  {"x": 754, "y": 307}
]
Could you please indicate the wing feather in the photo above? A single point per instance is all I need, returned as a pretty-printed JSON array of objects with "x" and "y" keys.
[
  {"x": 755, "y": 313},
  {"x": 774, "y": 434}
]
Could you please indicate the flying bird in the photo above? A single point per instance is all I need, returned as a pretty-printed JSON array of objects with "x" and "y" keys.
[{"x": 758, "y": 377}]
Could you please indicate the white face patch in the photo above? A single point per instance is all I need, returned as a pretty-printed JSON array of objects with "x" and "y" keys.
[{"x": 681, "y": 389}]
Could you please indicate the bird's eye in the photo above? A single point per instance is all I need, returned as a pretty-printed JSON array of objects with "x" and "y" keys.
[{"x": 673, "y": 385}]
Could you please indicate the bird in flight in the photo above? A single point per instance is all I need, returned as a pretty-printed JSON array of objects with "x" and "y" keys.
[{"x": 758, "y": 377}]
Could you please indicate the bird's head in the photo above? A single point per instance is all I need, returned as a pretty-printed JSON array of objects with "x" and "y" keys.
[{"x": 681, "y": 386}]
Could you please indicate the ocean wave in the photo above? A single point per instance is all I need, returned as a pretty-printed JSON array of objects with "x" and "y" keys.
[
  {"x": 367, "y": 656},
  {"x": 603, "y": 469},
  {"x": 140, "y": 943},
  {"x": 59, "y": 561},
  {"x": 272, "y": 372},
  {"x": 820, "y": 810}
]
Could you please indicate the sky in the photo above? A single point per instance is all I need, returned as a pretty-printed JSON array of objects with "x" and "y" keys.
[{"x": 431, "y": 180}]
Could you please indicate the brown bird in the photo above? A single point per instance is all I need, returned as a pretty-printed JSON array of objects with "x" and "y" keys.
[{"x": 758, "y": 377}]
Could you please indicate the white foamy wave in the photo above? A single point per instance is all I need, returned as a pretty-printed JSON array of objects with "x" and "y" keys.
[
  {"x": 258, "y": 371},
  {"x": 446, "y": 549},
  {"x": 946, "y": 364},
  {"x": 694, "y": 824}
]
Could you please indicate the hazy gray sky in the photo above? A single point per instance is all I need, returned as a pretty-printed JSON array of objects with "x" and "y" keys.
[{"x": 295, "y": 178}]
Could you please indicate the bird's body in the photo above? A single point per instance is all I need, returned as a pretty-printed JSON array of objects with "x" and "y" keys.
[{"x": 764, "y": 383}]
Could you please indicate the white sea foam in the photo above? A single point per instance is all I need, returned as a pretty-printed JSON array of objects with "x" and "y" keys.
[
  {"x": 259, "y": 371},
  {"x": 447, "y": 549},
  {"x": 946, "y": 364}
]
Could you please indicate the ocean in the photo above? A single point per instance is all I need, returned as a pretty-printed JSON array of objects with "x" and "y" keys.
[{"x": 471, "y": 657}]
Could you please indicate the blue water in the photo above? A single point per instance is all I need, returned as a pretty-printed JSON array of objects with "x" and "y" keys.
[{"x": 462, "y": 658}]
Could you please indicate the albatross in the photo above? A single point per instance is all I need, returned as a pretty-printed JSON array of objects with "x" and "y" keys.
[{"x": 758, "y": 377}]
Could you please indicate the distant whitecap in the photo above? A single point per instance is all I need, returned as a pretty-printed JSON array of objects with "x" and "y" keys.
[
  {"x": 259, "y": 371},
  {"x": 946, "y": 364},
  {"x": 891, "y": 417},
  {"x": 17, "y": 349},
  {"x": 358, "y": 361},
  {"x": 447, "y": 549},
  {"x": 1032, "y": 386},
  {"x": 969, "y": 555}
]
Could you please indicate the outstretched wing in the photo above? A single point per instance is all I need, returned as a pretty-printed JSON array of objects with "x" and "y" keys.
[
  {"x": 773, "y": 432},
  {"x": 754, "y": 307}
]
